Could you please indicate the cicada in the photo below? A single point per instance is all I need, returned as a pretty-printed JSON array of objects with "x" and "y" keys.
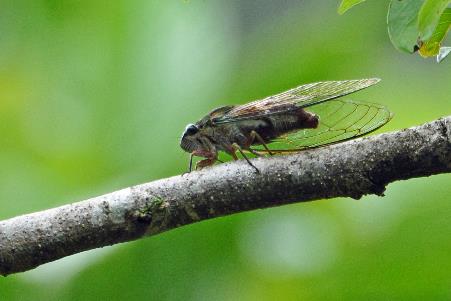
[{"x": 308, "y": 116}]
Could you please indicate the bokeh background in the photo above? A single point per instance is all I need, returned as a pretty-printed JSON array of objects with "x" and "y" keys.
[{"x": 95, "y": 94}]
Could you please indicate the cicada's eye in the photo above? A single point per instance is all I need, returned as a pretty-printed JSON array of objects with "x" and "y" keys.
[
  {"x": 190, "y": 130},
  {"x": 188, "y": 142}
]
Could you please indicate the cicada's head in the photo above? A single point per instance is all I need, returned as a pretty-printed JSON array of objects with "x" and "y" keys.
[{"x": 190, "y": 139}]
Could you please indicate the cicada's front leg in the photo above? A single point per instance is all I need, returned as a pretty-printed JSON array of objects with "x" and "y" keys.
[{"x": 210, "y": 158}]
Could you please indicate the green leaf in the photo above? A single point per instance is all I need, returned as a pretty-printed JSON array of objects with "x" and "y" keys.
[
  {"x": 429, "y": 16},
  {"x": 443, "y": 53},
  {"x": 402, "y": 23},
  {"x": 347, "y": 4},
  {"x": 431, "y": 46}
]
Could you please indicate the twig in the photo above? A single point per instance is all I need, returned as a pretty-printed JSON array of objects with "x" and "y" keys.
[{"x": 351, "y": 169}]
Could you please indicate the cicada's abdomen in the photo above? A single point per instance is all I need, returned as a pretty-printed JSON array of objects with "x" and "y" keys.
[
  {"x": 280, "y": 124},
  {"x": 268, "y": 128}
]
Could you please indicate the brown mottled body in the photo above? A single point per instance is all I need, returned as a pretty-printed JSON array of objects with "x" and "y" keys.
[
  {"x": 230, "y": 137},
  {"x": 268, "y": 128},
  {"x": 238, "y": 128}
]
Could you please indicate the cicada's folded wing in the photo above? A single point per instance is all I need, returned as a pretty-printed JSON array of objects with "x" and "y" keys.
[
  {"x": 300, "y": 97},
  {"x": 339, "y": 120}
]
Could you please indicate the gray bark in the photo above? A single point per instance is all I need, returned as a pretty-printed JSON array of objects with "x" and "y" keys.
[{"x": 350, "y": 169}]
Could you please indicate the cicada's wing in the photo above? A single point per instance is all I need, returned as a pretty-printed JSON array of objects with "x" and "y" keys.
[
  {"x": 300, "y": 97},
  {"x": 340, "y": 120}
]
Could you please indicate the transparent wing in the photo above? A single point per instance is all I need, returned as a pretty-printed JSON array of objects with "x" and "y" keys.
[
  {"x": 340, "y": 120},
  {"x": 300, "y": 97}
]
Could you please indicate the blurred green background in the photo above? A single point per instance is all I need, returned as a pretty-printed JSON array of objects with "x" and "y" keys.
[{"x": 95, "y": 94}]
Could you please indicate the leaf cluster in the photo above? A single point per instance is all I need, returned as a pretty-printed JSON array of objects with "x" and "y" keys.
[{"x": 415, "y": 25}]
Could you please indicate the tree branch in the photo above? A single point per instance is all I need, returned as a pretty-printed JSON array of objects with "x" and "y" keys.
[{"x": 350, "y": 169}]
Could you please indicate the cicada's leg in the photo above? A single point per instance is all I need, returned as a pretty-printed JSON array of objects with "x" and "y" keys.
[
  {"x": 255, "y": 135},
  {"x": 210, "y": 158},
  {"x": 190, "y": 168},
  {"x": 232, "y": 153},
  {"x": 237, "y": 147},
  {"x": 204, "y": 163}
]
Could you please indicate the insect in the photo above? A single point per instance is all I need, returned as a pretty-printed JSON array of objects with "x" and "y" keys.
[{"x": 308, "y": 116}]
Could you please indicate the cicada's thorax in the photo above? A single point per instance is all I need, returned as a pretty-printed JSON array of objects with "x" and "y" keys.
[{"x": 268, "y": 128}]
